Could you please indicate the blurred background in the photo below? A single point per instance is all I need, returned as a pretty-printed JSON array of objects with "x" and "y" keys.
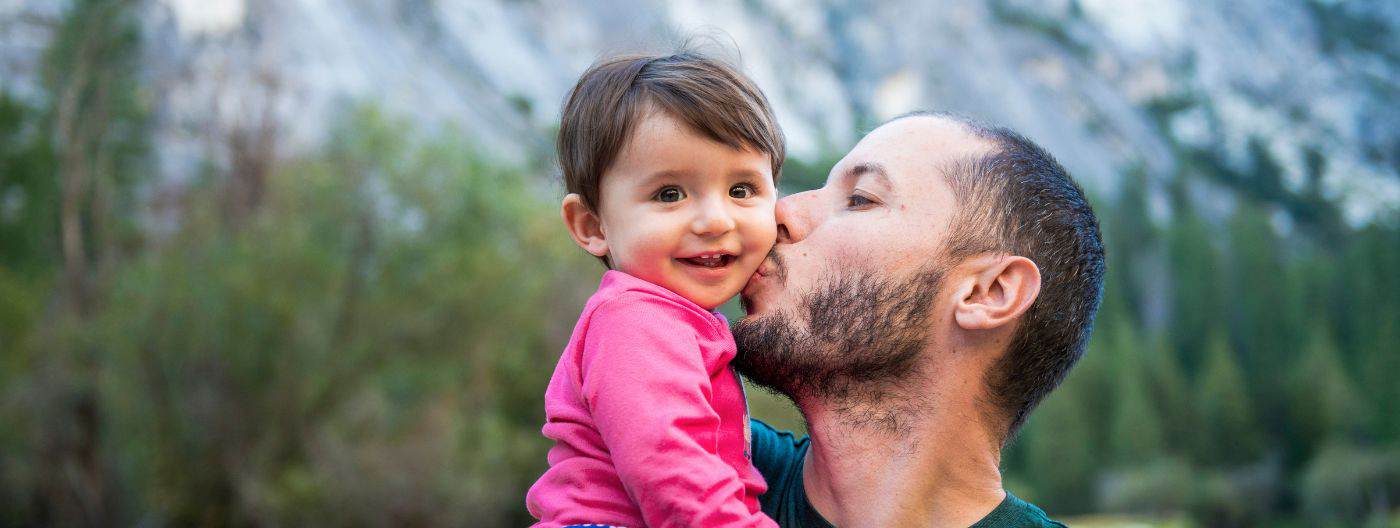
[{"x": 299, "y": 262}]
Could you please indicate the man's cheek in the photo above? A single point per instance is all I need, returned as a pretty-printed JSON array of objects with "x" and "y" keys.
[{"x": 847, "y": 257}]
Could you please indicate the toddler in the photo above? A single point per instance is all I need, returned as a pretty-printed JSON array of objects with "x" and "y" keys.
[{"x": 671, "y": 164}]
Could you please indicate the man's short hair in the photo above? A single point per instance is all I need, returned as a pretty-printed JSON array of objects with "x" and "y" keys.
[
  {"x": 709, "y": 96},
  {"x": 1018, "y": 200}
]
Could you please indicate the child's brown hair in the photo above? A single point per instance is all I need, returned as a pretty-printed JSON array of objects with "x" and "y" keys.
[{"x": 709, "y": 96}]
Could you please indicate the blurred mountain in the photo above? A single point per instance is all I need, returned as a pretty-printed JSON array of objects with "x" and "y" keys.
[{"x": 1305, "y": 89}]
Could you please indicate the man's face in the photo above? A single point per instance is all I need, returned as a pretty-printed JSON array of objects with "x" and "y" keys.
[
  {"x": 850, "y": 290},
  {"x": 884, "y": 208}
]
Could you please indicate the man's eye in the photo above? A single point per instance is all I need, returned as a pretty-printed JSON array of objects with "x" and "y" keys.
[
  {"x": 742, "y": 191},
  {"x": 670, "y": 194},
  {"x": 856, "y": 200}
]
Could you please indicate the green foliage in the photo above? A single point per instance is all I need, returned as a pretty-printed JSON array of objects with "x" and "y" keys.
[
  {"x": 1280, "y": 340},
  {"x": 1325, "y": 403},
  {"x": 96, "y": 119},
  {"x": 1129, "y": 234},
  {"x": 369, "y": 349},
  {"x": 1171, "y": 396},
  {"x": 1060, "y": 453},
  {"x": 28, "y": 190},
  {"x": 1161, "y": 487},
  {"x": 1195, "y": 284},
  {"x": 1227, "y": 414},
  {"x": 68, "y": 162},
  {"x": 1345, "y": 485},
  {"x": 1379, "y": 362},
  {"x": 1134, "y": 429},
  {"x": 800, "y": 175},
  {"x": 1364, "y": 296},
  {"x": 1240, "y": 496},
  {"x": 1264, "y": 312},
  {"x": 27, "y": 227}
]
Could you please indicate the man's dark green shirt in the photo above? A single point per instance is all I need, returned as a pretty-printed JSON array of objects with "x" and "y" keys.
[{"x": 779, "y": 455}]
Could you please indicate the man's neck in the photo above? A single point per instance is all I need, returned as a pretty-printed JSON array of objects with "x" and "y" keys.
[{"x": 937, "y": 467}]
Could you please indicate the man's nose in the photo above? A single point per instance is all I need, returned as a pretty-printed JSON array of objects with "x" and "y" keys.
[
  {"x": 712, "y": 218},
  {"x": 794, "y": 217}
]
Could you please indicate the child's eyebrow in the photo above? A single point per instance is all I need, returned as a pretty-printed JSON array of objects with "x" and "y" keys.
[
  {"x": 746, "y": 174},
  {"x": 666, "y": 174},
  {"x": 681, "y": 174}
]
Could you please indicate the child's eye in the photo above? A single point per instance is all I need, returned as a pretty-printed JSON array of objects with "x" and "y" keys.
[
  {"x": 670, "y": 194},
  {"x": 742, "y": 191},
  {"x": 856, "y": 200}
]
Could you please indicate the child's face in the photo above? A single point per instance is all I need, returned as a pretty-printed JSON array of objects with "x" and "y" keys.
[{"x": 688, "y": 213}]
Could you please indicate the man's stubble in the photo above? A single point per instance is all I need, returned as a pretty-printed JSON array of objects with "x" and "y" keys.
[{"x": 852, "y": 344}]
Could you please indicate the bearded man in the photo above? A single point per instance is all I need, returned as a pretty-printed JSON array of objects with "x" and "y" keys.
[{"x": 916, "y": 309}]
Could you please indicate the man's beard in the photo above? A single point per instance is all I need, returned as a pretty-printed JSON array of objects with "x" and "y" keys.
[{"x": 861, "y": 336}]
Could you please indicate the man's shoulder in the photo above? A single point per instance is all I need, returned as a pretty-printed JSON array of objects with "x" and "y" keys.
[
  {"x": 1016, "y": 513},
  {"x": 776, "y": 454}
]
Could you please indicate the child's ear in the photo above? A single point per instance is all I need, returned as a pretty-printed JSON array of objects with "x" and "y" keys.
[{"x": 584, "y": 225}]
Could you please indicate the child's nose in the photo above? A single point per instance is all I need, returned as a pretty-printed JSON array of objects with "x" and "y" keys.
[{"x": 712, "y": 218}]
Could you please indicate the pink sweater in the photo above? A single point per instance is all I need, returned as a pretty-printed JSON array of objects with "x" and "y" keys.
[{"x": 649, "y": 423}]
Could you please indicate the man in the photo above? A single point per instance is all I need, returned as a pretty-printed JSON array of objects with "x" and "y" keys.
[{"x": 916, "y": 308}]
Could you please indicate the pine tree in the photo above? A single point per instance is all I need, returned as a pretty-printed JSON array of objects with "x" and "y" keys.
[
  {"x": 1135, "y": 430},
  {"x": 1130, "y": 234},
  {"x": 1060, "y": 453},
  {"x": 1379, "y": 361},
  {"x": 1325, "y": 404},
  {"x": 1094, "y": 378},
  {"x": 1195, "y": 286},
  {"x": 1171, "y": 394},
  {"x": 1231, "y": 434},
  {"x": 1267, "y": 316}
]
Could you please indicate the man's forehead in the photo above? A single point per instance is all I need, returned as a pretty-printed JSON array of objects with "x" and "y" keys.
[{"x": 912, "y": 148}]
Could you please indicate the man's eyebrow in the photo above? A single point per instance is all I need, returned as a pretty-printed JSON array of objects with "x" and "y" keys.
[{"x": 873, "y": 169}]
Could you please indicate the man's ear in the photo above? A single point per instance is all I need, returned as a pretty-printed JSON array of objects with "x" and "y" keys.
[
  {"x": 584, "y": 225},
  {"x": 1000, "y": 289}
]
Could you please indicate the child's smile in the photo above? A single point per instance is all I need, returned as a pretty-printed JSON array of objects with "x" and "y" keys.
[
  {"x": 709, "y": 267},
  {"x": 710, "y": 260}
]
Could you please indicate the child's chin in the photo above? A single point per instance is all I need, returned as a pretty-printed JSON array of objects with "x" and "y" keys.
[{"x": 707, "y": 300}]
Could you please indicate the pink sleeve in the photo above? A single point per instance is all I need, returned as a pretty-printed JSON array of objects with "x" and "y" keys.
[{"x": 648, "y": 388}]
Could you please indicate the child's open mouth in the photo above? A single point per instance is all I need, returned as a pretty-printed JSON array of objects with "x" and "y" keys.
[{"x": 714, "y": 260}]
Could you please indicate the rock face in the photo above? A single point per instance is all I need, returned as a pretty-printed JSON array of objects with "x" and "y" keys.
[{"x": 1106, "y": 85}]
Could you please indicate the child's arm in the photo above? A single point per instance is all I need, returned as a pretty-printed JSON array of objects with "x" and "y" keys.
[{"x": 648, "y": 388}]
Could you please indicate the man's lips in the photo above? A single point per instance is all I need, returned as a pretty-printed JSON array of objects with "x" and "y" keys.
[
  {"x": 772, "y": 266},
  {"x": 751, "y": 284}
]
